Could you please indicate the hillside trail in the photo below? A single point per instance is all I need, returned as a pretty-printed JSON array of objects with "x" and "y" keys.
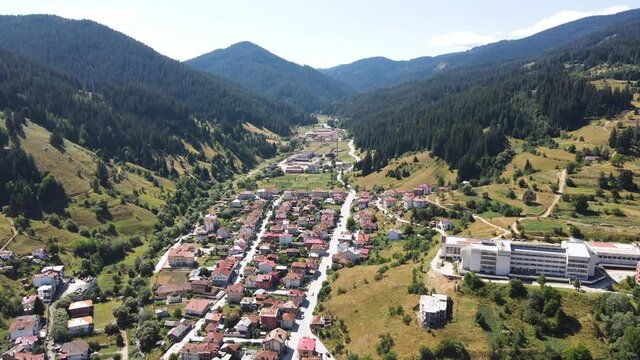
[
  {"x": 14, "y": 233},
  {"x": 562, "y": 180}
]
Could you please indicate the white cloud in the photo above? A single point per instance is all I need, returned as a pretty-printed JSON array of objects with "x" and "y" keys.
[
  {"x": 463, "y": 40},
  {"x": 460, "y": 40},
  {"x": 562, "y": 17}
]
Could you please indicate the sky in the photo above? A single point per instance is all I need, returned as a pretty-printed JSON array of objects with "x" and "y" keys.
[{"x": 323, "y": 33}]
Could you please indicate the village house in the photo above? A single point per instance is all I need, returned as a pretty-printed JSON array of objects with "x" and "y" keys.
[
  {"x": 29, "y": 303},
  {"x": 80, "y": 326},
  {"x": 178, "y": 289},
  {"x": 244, "y": 327},
  {"x": 292, "y": 280},
  {"x": 39, "y": 253},
  {"x": 420, "y": 203},
  {"x": 6, "y": 255},
  {"x": 197, "y": 307},
  {"x": 296, "y": 295},
  {"x": 199, "y": 351},
  {"x": 266, "y": 355},
  {"x": 210, "y": 222},
  {"x": 182, "y": 255},
  {"x": 235, "y": 293},
  {"x": 81, "y": 308},
  {"x": 444, "y": 224},
  {"x": 275, "y": 341},
  {"x": 23, "y": 326},
  {"x": 266, "y": 266},
  {"x": 74, "y": 350},
  {"x": 223, "y": 271},
  {"x": 389, "y": 202},
  {"x": 19, "y": 352},
  {"x": 306, "y": 347},
  {"x": 264, "y": 281},
  {"x": 320, "y": 322},
  {"x": 269, "y": 318},
  {"x": 288, "y": 321},
  {"x": 179, "y": 331},
  {"x": 222, "y": 233}
]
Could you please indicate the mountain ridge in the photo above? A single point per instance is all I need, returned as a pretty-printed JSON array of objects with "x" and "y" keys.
[
  {"x": 366, "y": 74},
  {"x": 259, "y": 70}
]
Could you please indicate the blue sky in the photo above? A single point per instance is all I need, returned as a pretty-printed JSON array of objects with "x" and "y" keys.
[{"x": 327, "y": 32}]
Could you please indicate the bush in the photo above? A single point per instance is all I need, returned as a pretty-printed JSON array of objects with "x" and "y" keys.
[
  {"x": 71, "y": 226},
  {"x": 111, "y": 329}
]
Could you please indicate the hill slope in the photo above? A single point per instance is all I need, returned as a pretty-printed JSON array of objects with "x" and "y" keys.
[
  {"x": 98, "y": 56},
  {"x": 463, "y": 115},
  {"x": 261, "y": 71},
  {"x": 373, "y": 73}
]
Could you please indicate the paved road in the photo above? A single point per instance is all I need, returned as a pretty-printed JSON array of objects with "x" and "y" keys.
[
  {"x": 304, "y": 324},
  {"x": 254, "y": 247}
]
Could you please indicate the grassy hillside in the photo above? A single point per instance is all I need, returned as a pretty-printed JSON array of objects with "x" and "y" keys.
[
  {"x": 73, "y": 167},
  {"x": 426, "y": 170},
  {"x": 363, "y": 304}
]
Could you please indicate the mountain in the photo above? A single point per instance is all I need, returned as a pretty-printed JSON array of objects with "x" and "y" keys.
[
  {"x": 99, "y": 57},
  {"x": 379, "y": 72},
  {"x": 463, "y": 115},
  {"x": 259, "y": 70}
]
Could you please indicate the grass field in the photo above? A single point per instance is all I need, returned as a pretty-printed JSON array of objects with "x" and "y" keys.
[
  {"x": 363, "y": 306},
  {"x": 270, "y": 135},
  {"x": 171, "y": 276},
  {"x": 299, "y": 181},
  {"x": 426, "y": 170},
  {"x": 103, "y": 313},
  {"x": 73, "y": 167}
]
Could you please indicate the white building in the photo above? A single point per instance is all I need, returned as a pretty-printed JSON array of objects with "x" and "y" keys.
[
  {"x": 210, "y": 221},
  {"x": 570, "y": 260},
  {"x": 433, "y": 310}
]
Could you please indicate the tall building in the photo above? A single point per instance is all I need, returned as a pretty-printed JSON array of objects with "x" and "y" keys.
[
  {"x": 572, "y": 259},
  {"x": 433, "y": 310}
]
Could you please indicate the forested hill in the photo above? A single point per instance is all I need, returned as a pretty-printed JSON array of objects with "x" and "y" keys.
[
  {"x": 378, "y": 72},
  {"x": 99, "y": 57},
  {"x": 259, "y": 70},
  {"x": 464, "y": 115}
]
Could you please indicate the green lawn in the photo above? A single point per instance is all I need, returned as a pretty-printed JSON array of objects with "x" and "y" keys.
[
  {"x": 103, "y": 313},
  {"x": 299, "y": 181}
]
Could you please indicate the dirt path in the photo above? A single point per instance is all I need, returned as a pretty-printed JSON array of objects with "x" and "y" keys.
[
  {"x": 14, "y": 233},
  {"x": 562, "y": 177},
  {"x": 476, "y": 217},
  {"x": 124, "y": 353}
]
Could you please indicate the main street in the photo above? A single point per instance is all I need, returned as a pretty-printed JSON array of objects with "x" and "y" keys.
[
  {"x": 303, "y": 324},
  {"x": 303, "y": 327}
]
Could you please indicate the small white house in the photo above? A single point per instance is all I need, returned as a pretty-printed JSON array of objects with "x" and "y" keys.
[{"x": 444, "y": 224}]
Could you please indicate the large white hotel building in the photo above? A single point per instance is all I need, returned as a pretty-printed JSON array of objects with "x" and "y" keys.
[{"x": 569, "y": 260}]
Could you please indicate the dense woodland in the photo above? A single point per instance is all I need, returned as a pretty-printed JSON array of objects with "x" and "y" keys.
[
  {"x": 464, "y": 115},
  {"x": 24, "y": 191},
  {"x": 265, "y": 73},
  {"x": 379, "y": 72},
  {"x": 116, "y": 95}
]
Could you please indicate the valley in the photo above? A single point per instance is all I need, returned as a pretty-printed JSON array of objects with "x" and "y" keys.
[{"x": 482, "y": 204}]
